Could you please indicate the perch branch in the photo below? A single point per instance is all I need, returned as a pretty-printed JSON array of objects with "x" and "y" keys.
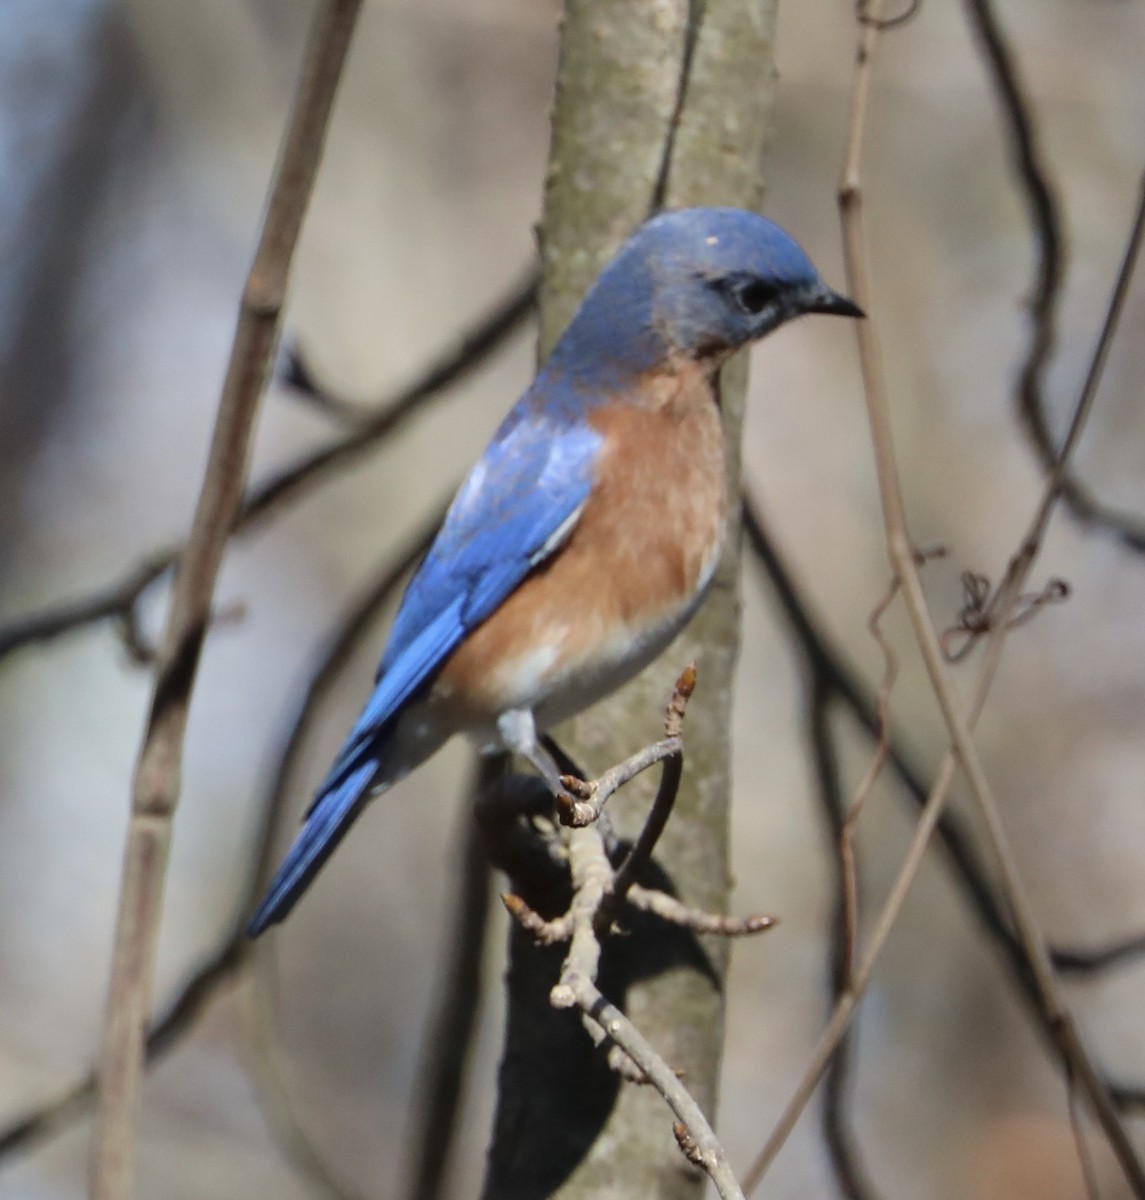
[{"x": 598, "y": 892}]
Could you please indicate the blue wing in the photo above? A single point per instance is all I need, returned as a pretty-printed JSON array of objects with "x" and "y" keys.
[{"x": 516, "y": 507}]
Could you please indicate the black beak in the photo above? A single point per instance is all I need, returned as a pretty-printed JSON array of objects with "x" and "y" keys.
[{"x": 827, "y": 301}]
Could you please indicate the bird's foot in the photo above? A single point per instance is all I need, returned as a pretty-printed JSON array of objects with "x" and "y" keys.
[{"x": 577, "y": 804}]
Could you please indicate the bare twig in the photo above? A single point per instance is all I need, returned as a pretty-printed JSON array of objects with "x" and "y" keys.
[
  {"x": 641, "y": 853},
  {"x": 668, "y": 908},
  {"x": 230, "y": 954},
  {"x": 276, "y": 1093},
  {"x": 1130, "y": 1097},
  {"x": 1045, "y": 221},
  {"x": 156, "y": 784},
  {"x": 450, "y": 365},
  {"x": 903, "y": 560},
  {"x": 1081, "y": 1141},
  {"x": 979, "y": 612},
  {"x": 969, "y": 872},
  {"x": 902, "y": 555}
]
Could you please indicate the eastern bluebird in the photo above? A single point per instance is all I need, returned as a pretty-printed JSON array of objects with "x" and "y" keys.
[{"x": 587, "y": 533}]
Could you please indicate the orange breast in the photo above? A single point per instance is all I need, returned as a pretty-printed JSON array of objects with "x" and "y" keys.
[{"x": 645, "y": 543}]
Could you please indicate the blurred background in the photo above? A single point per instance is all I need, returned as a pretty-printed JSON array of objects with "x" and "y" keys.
[{"x": 136, "y": 140}]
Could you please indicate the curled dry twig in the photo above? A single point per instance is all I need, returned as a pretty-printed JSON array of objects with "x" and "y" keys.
[{"x": 980, "y": 606}]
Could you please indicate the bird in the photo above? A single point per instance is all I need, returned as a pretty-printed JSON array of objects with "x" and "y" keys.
[{"x": 587, "y": 534}]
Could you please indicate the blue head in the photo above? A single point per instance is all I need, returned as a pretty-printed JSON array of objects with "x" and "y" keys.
[{"x": 697, "y": 282}]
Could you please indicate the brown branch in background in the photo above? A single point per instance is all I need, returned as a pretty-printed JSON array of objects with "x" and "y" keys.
[
  {"x": 232, "y": 950},
  {"x": 1054, "y": 1014},
  {"x": 846, "y": 832},
  {"x": 970, "y": 874},
  {"x": 259, "y": 1025},
  {"x": 373, "y": 426},
  {"x": 157, "y": 776},
  {"x": 472, "y": 349},
  {"x": 450, "y": 365},
  {"x": 1081, "y": 1141},
  {"x": 1046, "y": 225},
  {"x": 850, "y": 1175},
  {"x": 1083, "y": 962},
  {"x": 1074, "y": 1053},
  {"x": 449, "y": 1032},
  {"x": 1130, "y": 1097},
  {"x": 118, "y": 601}
]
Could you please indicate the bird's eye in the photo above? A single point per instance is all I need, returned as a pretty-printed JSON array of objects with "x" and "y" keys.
[{"x": 754, "y": 296}]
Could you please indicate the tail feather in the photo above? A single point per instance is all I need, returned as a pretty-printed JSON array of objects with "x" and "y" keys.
[{"x": 327, "y": 823}]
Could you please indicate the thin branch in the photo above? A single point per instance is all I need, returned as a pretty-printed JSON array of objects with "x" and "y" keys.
[
  {"x": 1046, "y": 224},
  {"x": 259, "y": 1025},
  {"x": 969, "y": 872},
  {"x": 902, "y": 555},
  {"x": 846, "y": 832},
  {"x": 1130, "y": 1097},
  {"x": 903, "y": 560},
  {"x": 668, "y": 908},
  {"x": 277, "y": 1097},
  {"x": 371, "y": 427},
  {"x": 641, "y": 853},
  {"x": 837, "y": 1134},
  {"x": 157, "y": 777},
  {"x": 448, "y": 1034},
  {"x": 1084, "y": 962},
  {"x": 584, "y": 801},
  {"x": 472, "y": 349},
  {"x": 230, "y": 955},
  {"x": 450, "y": 365}
]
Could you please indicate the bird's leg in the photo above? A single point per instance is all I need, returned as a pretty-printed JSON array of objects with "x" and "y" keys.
[
  {"x": 568, "y": 765},
  {"x": 518, "y": 732}
]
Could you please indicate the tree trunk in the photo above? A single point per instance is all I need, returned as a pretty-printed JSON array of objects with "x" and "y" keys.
[{"x": 663, "y": 104}]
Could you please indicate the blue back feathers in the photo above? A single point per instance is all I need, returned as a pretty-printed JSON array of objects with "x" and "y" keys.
[{"x": 689, "y": 282}]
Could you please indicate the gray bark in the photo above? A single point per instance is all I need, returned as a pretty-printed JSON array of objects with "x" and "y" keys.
[{"x": 659, "y": 104}]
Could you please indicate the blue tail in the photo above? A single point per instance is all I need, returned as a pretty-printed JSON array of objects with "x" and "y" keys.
[{"x": 326, "y": 825}]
